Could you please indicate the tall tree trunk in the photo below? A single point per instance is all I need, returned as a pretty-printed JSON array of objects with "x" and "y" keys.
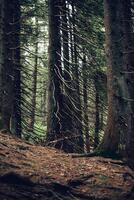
[
  {"x": 129, "y": 75},
  {"x": 16, "y": 113},
  {"x": 67, "y": 121},
  {"x": 65, "y": 43},
  {"x": 77, "y": 100},
  {"x": 1, "y": 53},
  {"x": 117, "y": 88},
  {"x": 10, "y": 67},
  {"x": 7, "y": 68},
  {"x": 34, "y": 84},
  {"x": 85, "y": 101},
  {"x": 97, "y": 112},
  {"x": 54, "y": 122}
]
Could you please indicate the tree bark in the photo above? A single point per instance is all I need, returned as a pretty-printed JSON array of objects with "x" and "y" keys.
[
  {"x": 67, "y": 121},
  {"x": 65, "y": 43},
  {"x": 10, "y": 67},
  {"x": 97, "y": 112},
  {"x": 54, "y": 121},
  {"x": 117, "y": 88},
  {"x": 16, "y": 113},
  {"x": 1, "y": 54},
  {"x": 85, "y": 102},
  {"x": 7, "y": 68},
  {"x": 76, "y": 94},
  {"x": 34, "y": 84},
  {"x": 129, "y": 75}
]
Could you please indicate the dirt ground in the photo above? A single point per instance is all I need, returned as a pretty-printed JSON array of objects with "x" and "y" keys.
[{"x": 29, "y": 172}]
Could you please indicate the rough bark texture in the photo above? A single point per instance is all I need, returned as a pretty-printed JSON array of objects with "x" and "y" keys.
[
  {"x": 54, "y": 123},
  {"x": 10, "y": 68},
  {"x": 76, "y": 94},
  {"x": 7, "y": 67},
  {"x": 97, "y": 112},
  {"x": 16, "y": 113},
  {"x": 85, "y": 101},
  {"x": 129, "y": 75},
  {"x": 61, "y": 131},
  {"x": 1, "y": 53},
  {"x": 117, "y": 89},
  {"x": 67, "y": 121},
  {"x": 65, "y": 43}
]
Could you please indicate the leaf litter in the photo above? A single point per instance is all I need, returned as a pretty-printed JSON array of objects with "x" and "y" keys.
[{"x": 36, "y": 172}]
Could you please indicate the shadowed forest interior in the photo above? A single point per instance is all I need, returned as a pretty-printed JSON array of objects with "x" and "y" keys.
[{"x": 67, "y": 99}]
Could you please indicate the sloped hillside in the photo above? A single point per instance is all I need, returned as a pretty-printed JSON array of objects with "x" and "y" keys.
[{"x": 36, "y": 172}]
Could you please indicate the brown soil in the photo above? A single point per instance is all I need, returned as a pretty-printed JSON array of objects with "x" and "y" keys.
[{"x": 34, "y": 172}]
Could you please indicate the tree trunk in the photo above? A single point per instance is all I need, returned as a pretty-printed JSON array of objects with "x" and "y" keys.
[
  {"x": 16, "y": 112},
  {"x": 67, "y": 121},
  {"x": 7, "y": 68},
  {"x": 34, "y": 84},
  {"x": 54, "y": 122},
  {"x": 76, "y": 94},
  {"x": 1, "y": 53},
  {"x": 129, "y": 75},
  {"x": 85, "y": 101},
  {"x": 65, "y": 43},
  {"x": 117, "y": 88},
  {"x": 97, "y": 112},
  {"x": 10, "y": 66}
]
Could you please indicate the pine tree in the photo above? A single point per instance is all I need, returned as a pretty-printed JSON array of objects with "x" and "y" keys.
[
  {"x": 128, "y": 44},
  {"x": 1, "y": 54},
  {"x": 117, "y": 85},
  {"x": 10, "y": 73},
  {"x": 55, "y": 74}
]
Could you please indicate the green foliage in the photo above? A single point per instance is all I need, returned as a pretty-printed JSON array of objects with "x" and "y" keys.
[
  {"x": 32, "y": 35},
  {"x": 90, "y": 40}
]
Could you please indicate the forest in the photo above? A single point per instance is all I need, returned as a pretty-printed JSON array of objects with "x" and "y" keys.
[{"x": 66, "y": 99}]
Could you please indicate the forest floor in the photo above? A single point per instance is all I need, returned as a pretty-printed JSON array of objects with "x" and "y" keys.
[{"x": 29, "y": 172}]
